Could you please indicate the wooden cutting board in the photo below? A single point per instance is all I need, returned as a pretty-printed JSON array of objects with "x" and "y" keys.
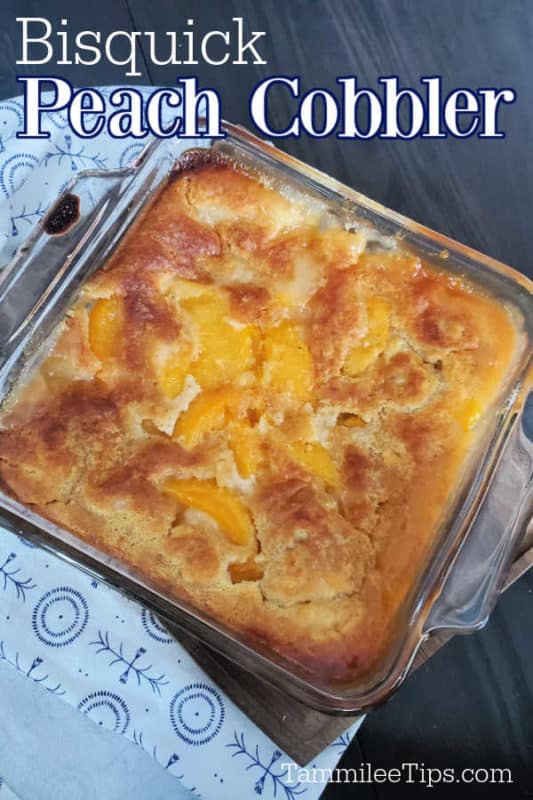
[{"x": 299, "y": 730}]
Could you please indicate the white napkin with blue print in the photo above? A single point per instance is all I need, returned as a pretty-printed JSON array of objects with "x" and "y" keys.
[{"x": 81, "y": 640}]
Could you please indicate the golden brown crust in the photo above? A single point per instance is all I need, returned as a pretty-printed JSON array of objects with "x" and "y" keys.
[
  {"x": 335, "y": 322},
  {"x": 260, "y": 417}
]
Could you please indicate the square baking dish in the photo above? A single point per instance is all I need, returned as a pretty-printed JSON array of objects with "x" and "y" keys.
[{"x": 489, "y": 510}]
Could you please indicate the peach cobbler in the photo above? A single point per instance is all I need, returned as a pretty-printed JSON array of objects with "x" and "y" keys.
[{"x": 260, "y": 414}]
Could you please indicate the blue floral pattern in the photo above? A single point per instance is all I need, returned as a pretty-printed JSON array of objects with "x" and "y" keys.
[
  {"x": 60, "y": 616},
  {"x": 33, "y": 671},
  {"x": 14, "y": 171},
  {"x": 270, "y": 771},
  {"x": 153, "y": 627},
  {"x": 106, "y": 709},
  {"x": 197, "y": 713},
  {"x": 75, "y": 636},
  {"x": 130, "y": 667},
  {"x": 10, "y": 576}
]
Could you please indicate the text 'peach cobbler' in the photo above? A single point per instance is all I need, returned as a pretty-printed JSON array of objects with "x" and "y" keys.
[{"x": 261, "y": 415}]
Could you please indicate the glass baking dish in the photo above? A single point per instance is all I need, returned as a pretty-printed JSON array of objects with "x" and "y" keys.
[{"x": 490, "y": 509}]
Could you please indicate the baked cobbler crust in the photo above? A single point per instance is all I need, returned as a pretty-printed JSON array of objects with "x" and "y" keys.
[{"x": 261, "y": 415}]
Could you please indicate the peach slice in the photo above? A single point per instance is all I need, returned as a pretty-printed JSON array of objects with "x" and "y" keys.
[
  {"x": 171, "y": 378},
  {"x": 218, "y": 502},
  {"x": 206, "y": 413},
  {"x": 244, "y": 444},
  {"x": 225, "y": 351},
  {"x": 314, "y": 457},
  {"x": 172, "y": 365},
  {"x": 245, "y": 571},
  {"x": 105, "y": 326},
  {"x": 288, "y": 366}
]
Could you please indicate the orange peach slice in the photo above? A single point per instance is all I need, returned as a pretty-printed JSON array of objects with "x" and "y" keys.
[
  {"x": 244, "y": 444},
  {"x": 226, "y": 351},
  {"x": 314, "y": 457},
  {"x": 287, "y": 365},
  {"x": 105, "y": 326},
  {"x": 206, "y": 413},
  {"x": 218, "y": 502},
  {"x": 245, "y": 571}
]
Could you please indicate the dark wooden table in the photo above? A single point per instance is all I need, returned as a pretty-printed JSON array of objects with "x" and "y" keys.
[{"x": 472, "y": 704}]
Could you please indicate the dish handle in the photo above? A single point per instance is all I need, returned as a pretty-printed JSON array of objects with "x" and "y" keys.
[
  {"x": 38, "y": 284},
  {"x": 477, "y": 575}
]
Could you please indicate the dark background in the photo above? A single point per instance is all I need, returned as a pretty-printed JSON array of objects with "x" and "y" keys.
[{"x": 472, "y": 704}]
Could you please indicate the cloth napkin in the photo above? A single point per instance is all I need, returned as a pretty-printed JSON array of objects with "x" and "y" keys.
[
  {"x": 6, "y": 793},
  {"x": 83, "y": 641}
]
